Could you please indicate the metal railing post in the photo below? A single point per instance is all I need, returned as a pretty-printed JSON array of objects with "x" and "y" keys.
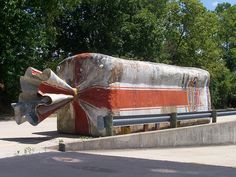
[
  {"x": 173, "y": 120},
  {"x": 214, "y": 116},
  {"x": 108, "y": 121}
]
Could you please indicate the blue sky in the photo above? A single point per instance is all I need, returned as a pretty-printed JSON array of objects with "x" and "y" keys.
[{"x": 211, "y": 4}]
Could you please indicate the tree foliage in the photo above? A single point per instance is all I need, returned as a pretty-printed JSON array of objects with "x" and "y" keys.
[{"x": 180, "y": 32}]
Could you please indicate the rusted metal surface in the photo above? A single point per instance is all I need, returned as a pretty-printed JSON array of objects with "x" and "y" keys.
[{"x": 107, "y": 85}]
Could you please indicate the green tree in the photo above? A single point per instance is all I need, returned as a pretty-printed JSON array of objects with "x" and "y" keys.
[
  {"x": 192, "y": 39},
  {"x": 190, "y": 36},
  {"x": 227, "y": 43},
  {"x": 227, "y": 33},
  {"x": 27, "y": 36},
  {"x": 181, "y": 32},
  {"x": 130, "y": 28}
]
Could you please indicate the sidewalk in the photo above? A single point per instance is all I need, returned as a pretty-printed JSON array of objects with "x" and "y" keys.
[
  {"x": 25, "y": 138},
  {"x": 208, "y": 155}
]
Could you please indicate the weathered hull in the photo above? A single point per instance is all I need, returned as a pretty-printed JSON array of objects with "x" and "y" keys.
[
  {"x": 125, "y": 87},
  {"x": 91, "y": 86}
]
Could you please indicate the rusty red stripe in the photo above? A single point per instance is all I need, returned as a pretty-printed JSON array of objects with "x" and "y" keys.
[
  {"x": 118, "y": 99},
  {"x": 44, "y": 87},
  {"x": 81, "y": 120}
]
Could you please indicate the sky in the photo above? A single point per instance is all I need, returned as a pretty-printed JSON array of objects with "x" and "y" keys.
[{"x": 211, "y": 4}]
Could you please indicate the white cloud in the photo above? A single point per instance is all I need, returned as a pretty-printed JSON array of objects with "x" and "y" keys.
[{"x": 215, "y": 3}]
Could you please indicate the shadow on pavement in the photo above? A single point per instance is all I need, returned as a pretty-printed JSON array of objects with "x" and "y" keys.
[
  {"x": 49, "y": 135},
  {"x": 73, "y": 164},
  {"x": 27, "y": 140},
  {"x": 55, "y": 134}
]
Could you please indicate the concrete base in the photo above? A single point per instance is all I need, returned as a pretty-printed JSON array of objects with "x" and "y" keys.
[{"x": 210, "y": 134}]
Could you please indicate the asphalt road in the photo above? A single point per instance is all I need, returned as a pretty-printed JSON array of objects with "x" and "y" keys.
[{"x": 74, "y": 164}]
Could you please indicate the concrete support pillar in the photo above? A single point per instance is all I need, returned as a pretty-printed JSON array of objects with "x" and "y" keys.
[
  {"x": 125, "y": 130},
  {"x": 145, "y": 127}
]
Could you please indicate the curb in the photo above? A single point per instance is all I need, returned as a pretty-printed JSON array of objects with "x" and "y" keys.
[{"x": 208, "y": 134}]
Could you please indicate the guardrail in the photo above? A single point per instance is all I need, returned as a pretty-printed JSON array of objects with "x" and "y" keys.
[{"x": 114, "y": 121}]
